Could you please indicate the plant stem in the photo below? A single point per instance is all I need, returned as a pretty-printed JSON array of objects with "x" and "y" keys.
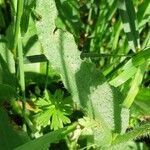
[
  {"x": 96, "y": 55},
  {"x": 20, "y": 4},
  {"x": 21, "y": 71},
  {"x": 46, "y": 78},
  {"x": 18, "y": 55}
]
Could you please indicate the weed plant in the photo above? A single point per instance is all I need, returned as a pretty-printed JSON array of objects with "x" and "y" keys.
[{"x": 74, "y": 74}]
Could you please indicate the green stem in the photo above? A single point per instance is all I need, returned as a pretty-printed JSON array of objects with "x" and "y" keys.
[
  {"x": 20, "y": 4},
  {"x": 95, "y": 55},
  {"x": 18, "y": 55},
  {"x": 46, "y": 78},
  {"x": 21, "y": 71}
]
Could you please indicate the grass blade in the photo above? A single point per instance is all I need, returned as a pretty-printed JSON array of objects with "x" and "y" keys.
[
  {"x": 130, "y": 68},
  {"x": 143, "y": 14},
  {"x": 134, "y": 87},
  {"x": 131, "y": 135},
  {"x": 44, "y": 141},
  {"x": 129, "y": 20}
]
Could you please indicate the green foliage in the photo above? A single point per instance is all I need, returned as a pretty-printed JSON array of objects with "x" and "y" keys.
[
  {"x": 137, "y": 132},
  {"x": 55, "y": 108},
  {"x": 45, "y": 141},
  {"x": 47, "y": 82},
  {"x": 130, "y": 23},
  {"x": 10, "y": 137},
  {"x": 141, "y": 103},
  {"x": 130, "y": 68},
  {"x": 95, "y": 132}
]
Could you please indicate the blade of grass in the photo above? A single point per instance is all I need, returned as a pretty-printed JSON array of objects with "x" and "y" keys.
[
  {"x": 129, "y": 20},
  {"x": 130, "y": 68},
  {"x": 21, "y": 72},
  {"x": 143, "y": 14},
  {"x": 131, "y": 135},
  {"x": 47, "y": 139},
  {"x": 134, "y": 87},
  {"x": 146, "y": 42},
  {"x": 18, "y": 51},
  {"x": 20, "y": 4}
]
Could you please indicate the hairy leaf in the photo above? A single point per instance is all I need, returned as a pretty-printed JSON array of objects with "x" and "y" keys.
[{"x": 87, "y": 85}]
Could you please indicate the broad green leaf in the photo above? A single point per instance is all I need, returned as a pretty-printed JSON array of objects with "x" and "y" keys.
[
  {"x": 7, "y": 92},
  {"x": 10, "y": 137},
  {"x": 32, "y": 47},
  {"x": 2, "y": 20},
  {"x": 44, "y": 142},
  {"x": 7, "y": 67},
  {"x": 30, "y": 40},
  {"x": 88, "y": 87},
  {"x": 129, "y": 20},
  {"x": 6, "y": 57},
  {"x": 28, "y": 7},
  {"x": 143, "y": 94},
  {"x": 130, "y": 145},
  {"x": 95, "y": 132},
  {"x": 130, "y": 68},
  {"x": 141, "y": 103}
]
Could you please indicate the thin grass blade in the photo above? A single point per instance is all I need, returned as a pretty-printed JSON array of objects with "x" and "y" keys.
[
  {"x": 134, "y": 87},
  {"x": 129, "y": 20}
]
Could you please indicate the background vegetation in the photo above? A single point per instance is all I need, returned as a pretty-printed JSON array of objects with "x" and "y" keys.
[{"x": 74, "y": 74}]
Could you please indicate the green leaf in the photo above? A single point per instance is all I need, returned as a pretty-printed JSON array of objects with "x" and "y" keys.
[
  {"x": 143, "y": 94},
  {"x": 7, "y": 70},
  {"x": 95, "y": 132},
  {"x": 141, "y": 103},
  {"x": 143, "y": 14},
  {"x": 129, "y": 20},
  {"x": 44, "y": 142},
  {"x": 143, "y": 130},
  {"x": 84, "y": 81},
  {"x": 137, "y": 80},
  {"x": 130, "y": 68},
  {"x": 2, "y": 20},
  {"x": 55, "y": 110},
  {"x": 68, "y": 16},
  {"x": 28, "y": 6},
  {"x": 10, "y": 137},
  {"x": 7, "y": 92}
]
